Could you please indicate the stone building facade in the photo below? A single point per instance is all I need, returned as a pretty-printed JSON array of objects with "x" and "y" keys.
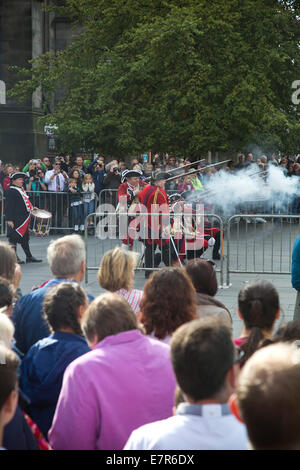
[{"x": 26, "y": 31}]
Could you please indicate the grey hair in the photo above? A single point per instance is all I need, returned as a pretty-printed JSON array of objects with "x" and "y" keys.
[
  {"x": 110, "y": 165},
  {"x": 65, "y": 255}
]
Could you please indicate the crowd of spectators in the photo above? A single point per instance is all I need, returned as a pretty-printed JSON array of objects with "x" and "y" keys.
[
  {"x": 155, "y": 369},
  {"x": 71, "y": 188}
]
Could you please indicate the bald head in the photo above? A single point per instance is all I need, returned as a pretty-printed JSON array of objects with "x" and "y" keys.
[{"x": 268, "y": 394}]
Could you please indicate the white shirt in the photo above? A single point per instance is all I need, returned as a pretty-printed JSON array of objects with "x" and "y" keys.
[
  {"x": 52, "y": 183},
  {"x": 195, "y": 427}
]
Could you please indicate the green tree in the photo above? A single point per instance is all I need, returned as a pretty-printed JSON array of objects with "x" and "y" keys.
[{"x": 180, "y": 76}]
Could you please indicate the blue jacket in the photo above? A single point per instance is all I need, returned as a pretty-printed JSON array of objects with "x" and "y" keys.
[
  {"x": 296, "y": 264},
  {"x": 98, "y": 177},
  {"x": 28, "y": 317},
  {"x": 42, "y": 372},
  {"x": 17, "y": 433}
]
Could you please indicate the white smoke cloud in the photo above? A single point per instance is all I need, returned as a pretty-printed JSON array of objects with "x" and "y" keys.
[{"x": 229, "y": 190}]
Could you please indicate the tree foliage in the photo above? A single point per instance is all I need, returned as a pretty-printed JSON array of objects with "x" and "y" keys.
[{"x": 183, "y": 76}]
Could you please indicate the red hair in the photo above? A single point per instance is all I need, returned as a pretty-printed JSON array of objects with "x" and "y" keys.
[{"x": 168, "y": 301}]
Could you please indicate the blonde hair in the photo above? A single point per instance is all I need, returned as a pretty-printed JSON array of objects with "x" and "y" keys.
[
  {"x": 7, "y": 330},
  {"x": 85, "y": 178},
  {"x": 116, "y": 269}
]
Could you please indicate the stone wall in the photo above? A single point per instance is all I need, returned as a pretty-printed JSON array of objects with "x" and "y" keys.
[{"x": 26, "y": 31}]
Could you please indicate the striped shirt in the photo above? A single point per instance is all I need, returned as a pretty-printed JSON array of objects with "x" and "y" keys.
[{"x": 133, "y": 297}]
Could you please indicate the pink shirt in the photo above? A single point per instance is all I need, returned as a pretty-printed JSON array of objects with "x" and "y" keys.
[
  {"x": 125, "y": 382},
  {"x": 239, "y": 341}
]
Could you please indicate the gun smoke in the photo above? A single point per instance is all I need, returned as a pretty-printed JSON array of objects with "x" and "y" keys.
[{"x": 250, "y": 186}]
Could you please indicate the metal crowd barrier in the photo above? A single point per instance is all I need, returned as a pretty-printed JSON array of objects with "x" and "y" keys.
[
  {"x": 257, "y": 247},
  {"x": 103, "y": 232},
  {"x": 64, "y": 216}
]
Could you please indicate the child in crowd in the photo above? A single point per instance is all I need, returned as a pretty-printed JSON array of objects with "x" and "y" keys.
[
  {"x": 76, "y": 205},
  {"x": 185, "y": 185},
  {"x": 88, "y": 194},
  {"x": 44, "y": 365}
]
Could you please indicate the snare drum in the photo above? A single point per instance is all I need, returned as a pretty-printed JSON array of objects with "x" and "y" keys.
[{"x": 40, "y": 222}]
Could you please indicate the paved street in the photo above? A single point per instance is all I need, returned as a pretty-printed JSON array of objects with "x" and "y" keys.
[{"x": 242, "y": 246}]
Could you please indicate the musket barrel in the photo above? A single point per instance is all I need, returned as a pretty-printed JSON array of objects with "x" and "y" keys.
[
  {"x": 196, "y": 171},
  {"x": 179, "y": 168}
]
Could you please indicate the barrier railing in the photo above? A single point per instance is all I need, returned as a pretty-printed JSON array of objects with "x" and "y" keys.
[
  {"x": 260, "y": 248},
  {"x": 65, "y": 214},
  {"x": 106, "y": 230}
]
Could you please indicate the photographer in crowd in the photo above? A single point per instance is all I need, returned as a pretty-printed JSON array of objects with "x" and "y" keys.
[
  {"x": 112, "y": 180},
  {"x": 56, "y": 181},
  {"x": 35, "y": 185},
  {"x": 34, "y": 165},
  {"x": 97, "y": 170}
]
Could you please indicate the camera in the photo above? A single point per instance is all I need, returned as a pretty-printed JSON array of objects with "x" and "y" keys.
[
  {"x": 33, "y": 174},
  {"x": 115, "y": 168}
]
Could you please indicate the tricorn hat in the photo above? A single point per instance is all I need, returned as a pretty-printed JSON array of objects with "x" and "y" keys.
[
  {"x": 131, "y": 174},
  {"x": 162, "y": 175},
  {"x": 17, "y": 175}
]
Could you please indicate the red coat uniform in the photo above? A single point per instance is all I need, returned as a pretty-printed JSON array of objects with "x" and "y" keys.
[
  {"x": 150, "y": 197},
  {"x": 126, "y": 190}
]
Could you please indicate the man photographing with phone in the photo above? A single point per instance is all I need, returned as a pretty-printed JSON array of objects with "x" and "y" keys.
[
  {"x": 97, "y": 170},
  {"x": 56, "y": 180},
  {"x": 112, "y": 180}
]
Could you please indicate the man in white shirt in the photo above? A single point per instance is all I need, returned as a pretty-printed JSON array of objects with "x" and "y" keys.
[
  {"x": 205, "y": 364},
  {"x": 56, "y": 180}
]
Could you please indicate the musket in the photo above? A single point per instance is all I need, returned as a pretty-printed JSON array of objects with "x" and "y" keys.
[
  {"x": 196, "y": 171},
  {"x": 185, "y": 166},
  {"x": 258, "y": 173},
  {"x": 179, "y": 168}
]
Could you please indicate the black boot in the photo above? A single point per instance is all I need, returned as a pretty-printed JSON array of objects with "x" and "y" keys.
[
  {"x": 216, "y": 248},
  {"x": 33, "y": 260},
  {"x": 29, "y": 257}
]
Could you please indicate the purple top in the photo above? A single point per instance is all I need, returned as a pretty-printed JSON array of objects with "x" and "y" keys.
[{"x": 125, "y": 382}]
